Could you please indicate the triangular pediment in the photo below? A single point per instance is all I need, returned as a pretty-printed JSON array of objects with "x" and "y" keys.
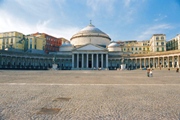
[{"x": 90, "y": 47}]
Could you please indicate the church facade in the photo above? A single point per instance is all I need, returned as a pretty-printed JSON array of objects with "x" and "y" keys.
[{"x": 91, "y": 48}]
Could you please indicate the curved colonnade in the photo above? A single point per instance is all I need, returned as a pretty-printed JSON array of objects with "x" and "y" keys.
[
  {"x": 34, "y": 61},
  {"x": 162, "y": 61}
]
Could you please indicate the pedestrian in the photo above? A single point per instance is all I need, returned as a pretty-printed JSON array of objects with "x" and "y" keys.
[
  {"x": 148, "y": 72},
  {"x": 177, "y": 70},
  {"x": 151, "y": 73}
]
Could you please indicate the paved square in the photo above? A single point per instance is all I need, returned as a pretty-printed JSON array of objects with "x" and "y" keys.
[{"x": 86, "y": 95}]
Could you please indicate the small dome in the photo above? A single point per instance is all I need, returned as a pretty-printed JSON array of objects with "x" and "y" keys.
[
  {"x": 113, "y": 45},
  {"x": 66, "y": 44},
  {"x": 66, "y": 47}
]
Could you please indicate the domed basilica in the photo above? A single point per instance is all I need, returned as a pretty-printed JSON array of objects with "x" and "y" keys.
[{"x": 90, "y": 48}]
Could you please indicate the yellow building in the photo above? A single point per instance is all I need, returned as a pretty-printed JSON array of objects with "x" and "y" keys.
[
  {"x": 136, "y": 47},
  {"x": 12, "y": 40},
  {"x": 35, "y": 44},
  {"x": 146, "y": 47}
]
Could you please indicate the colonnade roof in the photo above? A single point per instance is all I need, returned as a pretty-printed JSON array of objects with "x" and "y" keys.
[{"x": 156, "y": 53}]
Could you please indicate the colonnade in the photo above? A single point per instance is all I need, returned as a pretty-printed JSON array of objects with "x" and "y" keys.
[
  {"x": 166, "y": 61},
  {"x": 20, "y": 62},
  {"x": 89, "y": 60}
]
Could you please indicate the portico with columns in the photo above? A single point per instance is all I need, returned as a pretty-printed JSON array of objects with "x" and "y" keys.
[{"x": 89, "y": 57}]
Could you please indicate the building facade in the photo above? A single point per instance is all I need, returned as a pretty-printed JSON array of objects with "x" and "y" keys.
[
  {"x": 136, "y": 47},
  {"x": 158, "y": 43},
  {"x": 174, "y": 44},
  {"x": 35, "y": 44},
  {"x": 52, "y": 43},
  {"x": 91, "y": 49},
  {"x": 12, "y": 40}
]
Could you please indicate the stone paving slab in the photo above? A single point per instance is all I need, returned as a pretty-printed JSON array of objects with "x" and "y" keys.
[{"x": 89, "y": 95}]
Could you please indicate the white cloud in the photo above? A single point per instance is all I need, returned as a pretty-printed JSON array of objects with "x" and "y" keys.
[
  {"x": 127, "y": 3},
  {"x": 129, "y": 11},
  {"x": 130, "y": 3},
  {"x": 97, "y": 5},
  {"x": 156, "y": 29},
  {"x": 13, "y": 23},
  {"x": 160, "y": 17}
]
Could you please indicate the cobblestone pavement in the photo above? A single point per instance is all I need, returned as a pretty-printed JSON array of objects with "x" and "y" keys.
[{"x": 89, "y": 95}]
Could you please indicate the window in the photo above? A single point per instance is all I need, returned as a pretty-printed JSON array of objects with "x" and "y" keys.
[
  {"x": 157, "y": 43},
  {"x": 11, "y": 40},
  {"x": 30, "y": 43},
  {"x": 143, "y": 49},
  {"x": 157, "y": 38},
  {"x": 124, "y": 49},
  {"x": 162, "y": 38},
  {"x": 162, "y": 43},
  {"x": 162, "y": 48},
  {"x": 148, "y": 49},
  {"x": 136, "y": 48},
  {"x": 157, "y": 49},
  {"x": 7, "y": 41},
  {"x": 131, "y": 48},
  {"x": 139, "y": 48}
]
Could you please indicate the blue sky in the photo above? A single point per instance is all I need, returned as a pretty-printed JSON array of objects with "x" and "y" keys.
[{"x": 120, "y": 19}]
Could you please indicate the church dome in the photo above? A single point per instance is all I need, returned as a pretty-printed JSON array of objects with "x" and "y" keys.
[
  {"x": 66, "y": 47},
  {"x": 90, "y": 34},
  {"x": 66, "y": 44},
  {"x": 113, "y": 45}
]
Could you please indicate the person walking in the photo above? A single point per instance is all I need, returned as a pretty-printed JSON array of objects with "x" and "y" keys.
[
  {"x": 151, "y": 73},
  {"x": 148, "y": 70},
  {"x": 177, "y": 70}
]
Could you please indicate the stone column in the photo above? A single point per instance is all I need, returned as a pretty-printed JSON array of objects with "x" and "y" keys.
[
  {"x": 92, "y": 61},
  {"x": 72, "y": 60},
  {"x": 97, "y": 61},
  {"x": 153, "y": 62},
  {"x": 158, "y": 61},
  {"x": 163, "y": 61},
  {"x": 172, "y": 61},
  {"x": 87, "y": 60},
  {"x": 77, "y": 60},
  {"x": 140, "y": 63},
  {"x": 177, "y": 61},
  {"x": 149, "y": 62},
  {"x": 82, "y": 61},
  {"x": 101, "y": 60},
  {"x": 106, "y": 60},
  {"x": 167, "y": 62}
]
